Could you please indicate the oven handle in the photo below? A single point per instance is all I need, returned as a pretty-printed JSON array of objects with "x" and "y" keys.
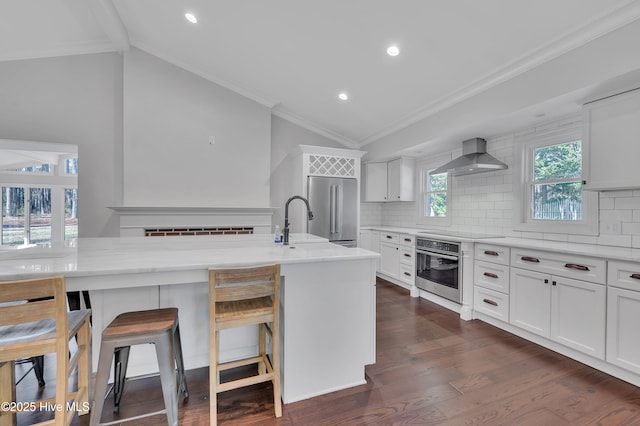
[{"x": 433, "y": 253}]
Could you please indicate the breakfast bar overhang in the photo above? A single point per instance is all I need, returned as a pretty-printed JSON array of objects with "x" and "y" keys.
[{"x": 327, "y": 298}]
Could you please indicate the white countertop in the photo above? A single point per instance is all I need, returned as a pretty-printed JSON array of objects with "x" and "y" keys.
[
  {"x": 593, "y": 250},
  {"x": 106, "y": 256}
]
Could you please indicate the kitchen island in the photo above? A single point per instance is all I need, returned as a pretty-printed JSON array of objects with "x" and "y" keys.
[{"x": 327, "y": 298}]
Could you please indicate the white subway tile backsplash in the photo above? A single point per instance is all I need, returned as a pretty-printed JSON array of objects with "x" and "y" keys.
[
  {"x": 632, "y": 203},
  {"x": 486, "y": 202}
]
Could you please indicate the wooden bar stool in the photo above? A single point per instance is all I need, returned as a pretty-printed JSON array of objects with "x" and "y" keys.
[
  {"x": 239, "y": 297},
  {"x": 157, "y": 326},
  {"x": 39, "y": 327}
]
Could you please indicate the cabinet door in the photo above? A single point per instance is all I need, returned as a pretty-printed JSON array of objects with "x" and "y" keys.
[
  {"x": 578, "y": 315},
  {"x": 375, "y": 246},
  {"x": 400, "y": 179},
  {"x": 610, "y": 134},
  {"x": 530, "y": 301},
  {"x": 365, "y": 239},
  {"x": 394, "y": 183},
  {"x": 389, "y": 260},
  {"x": 623, "y": 317},
  {"x": 375, "y": 182}
]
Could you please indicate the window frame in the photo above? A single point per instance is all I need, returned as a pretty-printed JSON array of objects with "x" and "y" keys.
[
  {"x": 426, "y": 167},
  {"x": 588, "y": 225}
]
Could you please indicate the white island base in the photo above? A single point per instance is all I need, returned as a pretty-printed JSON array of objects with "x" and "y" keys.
[{"x": 327, "y": 332}]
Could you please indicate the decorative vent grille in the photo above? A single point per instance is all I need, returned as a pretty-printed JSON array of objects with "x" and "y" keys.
[
  {"x": 325, "y": 165},
  {"x": 217, "y": 230}
]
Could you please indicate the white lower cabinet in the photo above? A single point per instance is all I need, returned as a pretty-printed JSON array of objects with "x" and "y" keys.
[
  {"x": 623, "y": 315},
  {"x": 389, "y": 259},
  {"x": 530, "y": 301},
  {"x": 578, "y": 315},
  {"x": 491, "y": 302},
  {"x": 568, "y": 311},
  {"x": 623, "y": 318}
]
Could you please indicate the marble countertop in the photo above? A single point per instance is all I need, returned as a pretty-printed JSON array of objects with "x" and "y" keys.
[
  {"x": 593, "y": 250},
  {"x": 106, "y": 256}
]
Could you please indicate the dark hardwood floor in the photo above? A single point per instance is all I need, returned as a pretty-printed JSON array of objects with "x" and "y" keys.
[{"x": 432, "y": 369}]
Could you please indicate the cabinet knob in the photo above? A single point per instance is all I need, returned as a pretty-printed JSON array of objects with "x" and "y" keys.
[{"x": 546, "y": 281}]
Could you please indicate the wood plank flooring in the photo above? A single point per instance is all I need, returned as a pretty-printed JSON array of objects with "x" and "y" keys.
[{"x": 432, "y": 369}]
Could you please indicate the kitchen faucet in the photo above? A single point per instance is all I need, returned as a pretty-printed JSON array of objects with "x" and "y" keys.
[{"x": 285, "y": 231}]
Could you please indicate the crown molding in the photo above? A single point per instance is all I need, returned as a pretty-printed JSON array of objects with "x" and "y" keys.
[
  {"x": 234, "y": 87},
  {"x": 572, "y": 39},
  {"x": 313, "y": 127}
]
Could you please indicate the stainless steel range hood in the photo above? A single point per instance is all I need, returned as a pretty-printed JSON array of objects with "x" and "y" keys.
[{"x": 474, "y": 160}]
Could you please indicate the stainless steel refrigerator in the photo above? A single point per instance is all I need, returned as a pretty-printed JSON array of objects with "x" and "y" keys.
[{"x": 334, "y": 202}]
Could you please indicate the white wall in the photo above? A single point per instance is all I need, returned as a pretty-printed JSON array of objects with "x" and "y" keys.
[
  {"x": 73, "y": 100},
  {"x": 169, "y": 114},
  {"x": 485, "y": 203},
  {"x": 285, "y": 138}
]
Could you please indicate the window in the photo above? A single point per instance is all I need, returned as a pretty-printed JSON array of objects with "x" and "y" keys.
[
  {"x": 555, "y": 187},
  {"x": 39, "y": 185},
  {"x": 551, "y": 196},
  {"x": 434, "y": 196}
]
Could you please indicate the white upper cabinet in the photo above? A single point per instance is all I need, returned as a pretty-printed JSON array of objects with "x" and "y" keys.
[
  {"x": 375, "y": 182},
  {"x": 392, "y": 181},
  {"x": 611, "y": 141},
  {"x": 400, "y": 179}
]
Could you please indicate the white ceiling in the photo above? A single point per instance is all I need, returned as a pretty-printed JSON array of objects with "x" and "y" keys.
[{"x": 296, "y": 55}]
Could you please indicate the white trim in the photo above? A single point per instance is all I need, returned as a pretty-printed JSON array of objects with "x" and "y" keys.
[
  {"x": 544, "y": 137},
  {"x": 431, "y": 164}
]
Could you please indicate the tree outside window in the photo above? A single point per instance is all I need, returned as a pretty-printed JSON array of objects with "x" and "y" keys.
[
  {"x": 436, "y": 195},
  {"x": 556, "y": 186}
]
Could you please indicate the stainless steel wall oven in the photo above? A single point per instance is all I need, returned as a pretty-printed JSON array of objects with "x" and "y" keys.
[{"x": 439, "y": 268}]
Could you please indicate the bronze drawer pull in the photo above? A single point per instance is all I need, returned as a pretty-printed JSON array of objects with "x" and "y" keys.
[
  {"x": 530, "y": 259},
  {"x": 490, "y": 302},
  {"x": 388, "y": 237},
  {"x": 490, "y": 275},
  {"x": 407, "y": 255},
  {"x": 576, "y": 266},
  {"x": 408, "y": 240},
  {"x": 407, "y": 274},
  {"x": 491, "y": 253},
  {"x": 635, "y": 276}
]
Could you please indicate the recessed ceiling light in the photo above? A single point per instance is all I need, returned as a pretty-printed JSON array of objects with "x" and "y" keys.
[
  {"x": 191, "y": 17},
  {"x": 393, "y": 50},
  {"x": 343, "y": 96}
]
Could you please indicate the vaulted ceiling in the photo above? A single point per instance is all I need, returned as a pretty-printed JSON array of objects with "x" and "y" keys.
[{"x": 297, "y": 56}]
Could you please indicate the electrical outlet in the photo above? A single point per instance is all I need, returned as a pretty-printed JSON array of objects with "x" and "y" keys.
[{"x": 212, "y": 140}]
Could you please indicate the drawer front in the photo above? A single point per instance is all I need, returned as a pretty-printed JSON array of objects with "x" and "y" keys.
[
  {"x": 407, "y": 274},
  {"x": 494, "y": 254},
  {"x": 492, "y": 276},
  {"x": 389, "y": 237},
  {"x": 564, "y": 265},
  {"x": 407, "y": 256},
  {"x": 491, "y": 303},
  {"x": 624, "y": 275},
  {"x": 407, "y": 240}
]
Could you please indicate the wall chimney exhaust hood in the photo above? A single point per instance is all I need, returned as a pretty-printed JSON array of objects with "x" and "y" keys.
[{"x": 474, "y": 159}]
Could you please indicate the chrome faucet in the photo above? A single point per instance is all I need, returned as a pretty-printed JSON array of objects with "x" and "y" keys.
[{"x": 285, "y": 231}]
